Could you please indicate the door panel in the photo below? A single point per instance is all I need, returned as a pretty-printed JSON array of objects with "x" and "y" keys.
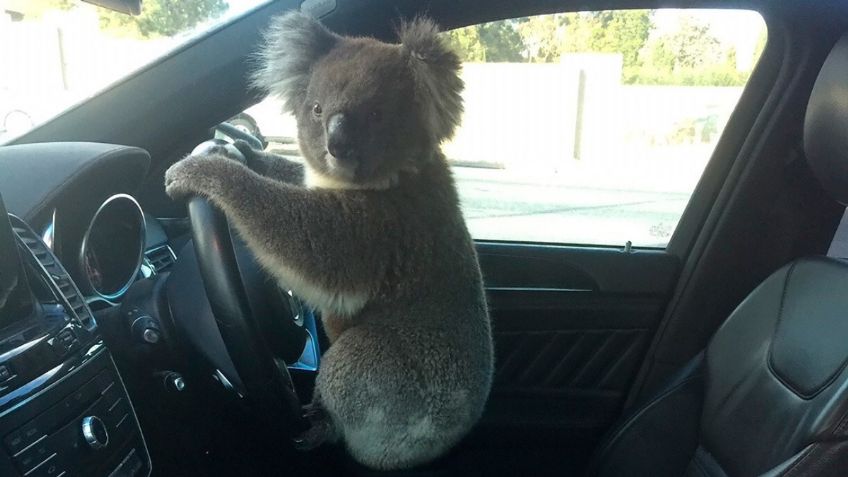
[{"x": 571, "y": 326}]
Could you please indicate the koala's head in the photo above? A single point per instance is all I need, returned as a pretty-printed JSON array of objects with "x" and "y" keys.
[{"x": 365, "y": 109}]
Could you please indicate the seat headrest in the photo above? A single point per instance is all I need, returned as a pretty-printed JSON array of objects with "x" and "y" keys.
[{"x": 826, "y": 124}]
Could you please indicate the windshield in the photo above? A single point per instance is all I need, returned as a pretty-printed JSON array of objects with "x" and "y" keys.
[{"x": 56, "y": 53}]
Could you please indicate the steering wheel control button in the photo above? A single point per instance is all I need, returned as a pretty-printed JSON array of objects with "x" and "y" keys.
[
  {"x": 94, "y": 432},
  {"x": 172, "y": 380},
  {"x": 150, "y": 335},
  {"x": 177, "y": 383},
  {"x": 146, "y": 330}
]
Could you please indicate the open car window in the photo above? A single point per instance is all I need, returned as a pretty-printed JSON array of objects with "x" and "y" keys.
[{"x": 588, "y": 128}]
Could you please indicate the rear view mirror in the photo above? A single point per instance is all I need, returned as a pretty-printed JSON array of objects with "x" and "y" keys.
[{"x": 130, "y": 7}]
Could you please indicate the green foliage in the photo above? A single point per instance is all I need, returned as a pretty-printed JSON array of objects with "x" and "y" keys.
[
  {"x": 713, "y": 75},
  {"x": 466, "y": 42},
  {"x": 688, "y": 55},
  {"x": 162, "y": 17},
  {"x": 501, "y": 41},
  {"x": 542, "y": 37},
  {"x": 488, "y": 42},
  {"x": 691, "y": 45},
  {"x": 617, "y": 31}
]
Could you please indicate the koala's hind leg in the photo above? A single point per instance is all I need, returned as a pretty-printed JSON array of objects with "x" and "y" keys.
[{"x": 393, "y": 409}]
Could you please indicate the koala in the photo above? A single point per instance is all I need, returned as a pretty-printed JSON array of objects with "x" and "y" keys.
[{"x": 369, "y": 232}]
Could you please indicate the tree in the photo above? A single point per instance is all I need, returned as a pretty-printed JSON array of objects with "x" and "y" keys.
[
  {"x": 543, "y": 37},
  {"x": 609, "y": 31},
  {"x": 691, "y": 45},
  {"x": 487, "y": 42},
  {"x": 163, "y": 17},
  {"x": 688, "y": 54},
  {"x": 501, "y": 41},
  {"x": 466, "y": 43}
]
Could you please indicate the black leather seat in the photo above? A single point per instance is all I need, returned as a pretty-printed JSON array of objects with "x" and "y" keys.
[{"x": 769, "y": 395}]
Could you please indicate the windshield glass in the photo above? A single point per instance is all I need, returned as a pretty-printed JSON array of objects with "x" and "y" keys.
[{"x": 55, "y": 53}]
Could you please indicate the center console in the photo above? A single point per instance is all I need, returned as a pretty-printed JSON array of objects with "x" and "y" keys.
[{"x": 64, "y": 410}]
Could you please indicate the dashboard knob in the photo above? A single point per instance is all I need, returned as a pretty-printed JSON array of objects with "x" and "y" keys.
[
  {"x": 94, "y": 432},
  {"x": 150, "y": 335}
]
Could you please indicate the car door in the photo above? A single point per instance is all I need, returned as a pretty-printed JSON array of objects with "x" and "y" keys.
[{"x": 583, "y": 139}]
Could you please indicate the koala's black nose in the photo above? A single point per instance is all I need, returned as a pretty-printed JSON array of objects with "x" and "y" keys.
[{"x": 339, "y": 137}]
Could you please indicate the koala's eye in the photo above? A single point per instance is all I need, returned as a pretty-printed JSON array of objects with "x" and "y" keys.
[{"x": 316, "y": 110}]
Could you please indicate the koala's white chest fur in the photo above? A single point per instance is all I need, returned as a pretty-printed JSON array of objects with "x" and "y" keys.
[{"x": 315, "y": 180}]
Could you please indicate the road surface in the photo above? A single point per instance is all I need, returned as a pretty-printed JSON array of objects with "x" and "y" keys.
[{"x": 498, "y": 205}]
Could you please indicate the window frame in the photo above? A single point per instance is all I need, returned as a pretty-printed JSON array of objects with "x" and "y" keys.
[{"x": 736, "y": 145}]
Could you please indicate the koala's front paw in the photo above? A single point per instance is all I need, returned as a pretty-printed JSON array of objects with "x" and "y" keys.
[
  {"x": 197, "y": 175},
  {"x": 246, "y": 150}
]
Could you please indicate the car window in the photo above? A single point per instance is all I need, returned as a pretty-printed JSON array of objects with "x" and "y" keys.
[
  {"x": 583, "y": 128},
  {"x": 594, "y": 127},
  {"x": 55, "y": 53}
]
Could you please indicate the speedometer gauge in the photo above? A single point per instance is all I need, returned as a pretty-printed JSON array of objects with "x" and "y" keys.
[{"x": 112, "y": 247}]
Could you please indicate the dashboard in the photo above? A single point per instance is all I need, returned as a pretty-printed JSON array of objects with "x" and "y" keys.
[
  {"x": 95, "y": 309},
  {"x": 71, "y": 245}
]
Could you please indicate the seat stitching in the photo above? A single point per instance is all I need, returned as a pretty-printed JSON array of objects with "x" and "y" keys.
[
  {"x": 770, "y": 364},
  {"x": 843, "y": 423},
  {"x": 807, "y": 453}
]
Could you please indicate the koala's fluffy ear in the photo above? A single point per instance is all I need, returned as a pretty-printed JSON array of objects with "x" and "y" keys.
[
  {"x": 293, "y": 43},
  {"x": 436, "y": 70}
]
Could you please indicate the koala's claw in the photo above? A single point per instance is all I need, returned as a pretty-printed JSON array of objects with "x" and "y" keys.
[
  {"x": 320, "y": 432},
  {"x": 313, "y": 412},
  {"x": 315, "y": 436}
]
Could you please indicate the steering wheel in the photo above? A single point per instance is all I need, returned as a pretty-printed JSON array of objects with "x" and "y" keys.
[{"x": 247, "y": 308}]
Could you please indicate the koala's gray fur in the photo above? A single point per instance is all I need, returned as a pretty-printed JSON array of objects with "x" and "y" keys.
[{"x": 376, "y": 242}]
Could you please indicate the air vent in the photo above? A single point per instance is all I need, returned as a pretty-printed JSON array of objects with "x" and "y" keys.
[
  {"x": 160, "y": 258},
  {"x": 64, "y": 287}
]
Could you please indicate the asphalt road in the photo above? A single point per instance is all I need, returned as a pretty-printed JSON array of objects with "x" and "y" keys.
[{"x": 499, "y": 206}]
